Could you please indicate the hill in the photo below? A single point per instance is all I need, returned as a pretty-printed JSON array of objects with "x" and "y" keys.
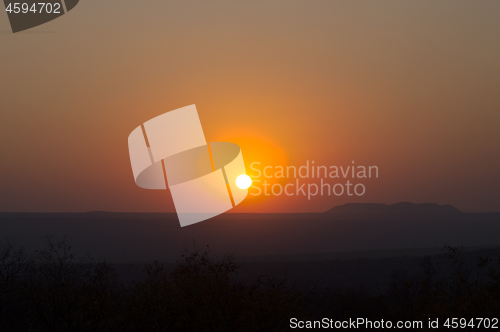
[
  {"x": 398, "y": 208},
  {"x": 138, "y": 237}
]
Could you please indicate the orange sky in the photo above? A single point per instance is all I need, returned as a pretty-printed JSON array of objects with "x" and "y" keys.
[{"x": 409, "y": 87}]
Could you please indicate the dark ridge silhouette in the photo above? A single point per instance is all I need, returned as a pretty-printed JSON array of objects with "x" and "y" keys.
[
  {"x": 139, "y": 237},
  {"x": 398, "y": 208}
]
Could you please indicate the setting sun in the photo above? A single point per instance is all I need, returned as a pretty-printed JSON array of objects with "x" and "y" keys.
[{"x": 243, "y": 181}]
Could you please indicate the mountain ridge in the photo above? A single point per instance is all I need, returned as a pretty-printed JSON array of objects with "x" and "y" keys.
[{"x": 397, "y": 208}]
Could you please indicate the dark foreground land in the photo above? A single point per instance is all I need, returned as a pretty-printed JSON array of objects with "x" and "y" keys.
[
  {"x": 53, "y": 291},
  {"x": 143, "y": 237},
  {"x": 245, "y": 272}
]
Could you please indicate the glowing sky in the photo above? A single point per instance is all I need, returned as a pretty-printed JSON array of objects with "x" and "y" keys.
[{"x": 412, "y": 87}]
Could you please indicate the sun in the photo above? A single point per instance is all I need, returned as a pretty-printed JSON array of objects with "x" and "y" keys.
[{"x": 243, "y": 181}]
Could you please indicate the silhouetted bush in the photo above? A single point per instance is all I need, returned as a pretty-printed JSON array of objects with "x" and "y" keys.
[
  {"x": 200, "y": 295},
  {"x": 53, "y": 291}
]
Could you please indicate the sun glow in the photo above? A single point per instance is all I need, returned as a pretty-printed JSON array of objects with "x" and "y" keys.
[{"x": 243, "y": 181}]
